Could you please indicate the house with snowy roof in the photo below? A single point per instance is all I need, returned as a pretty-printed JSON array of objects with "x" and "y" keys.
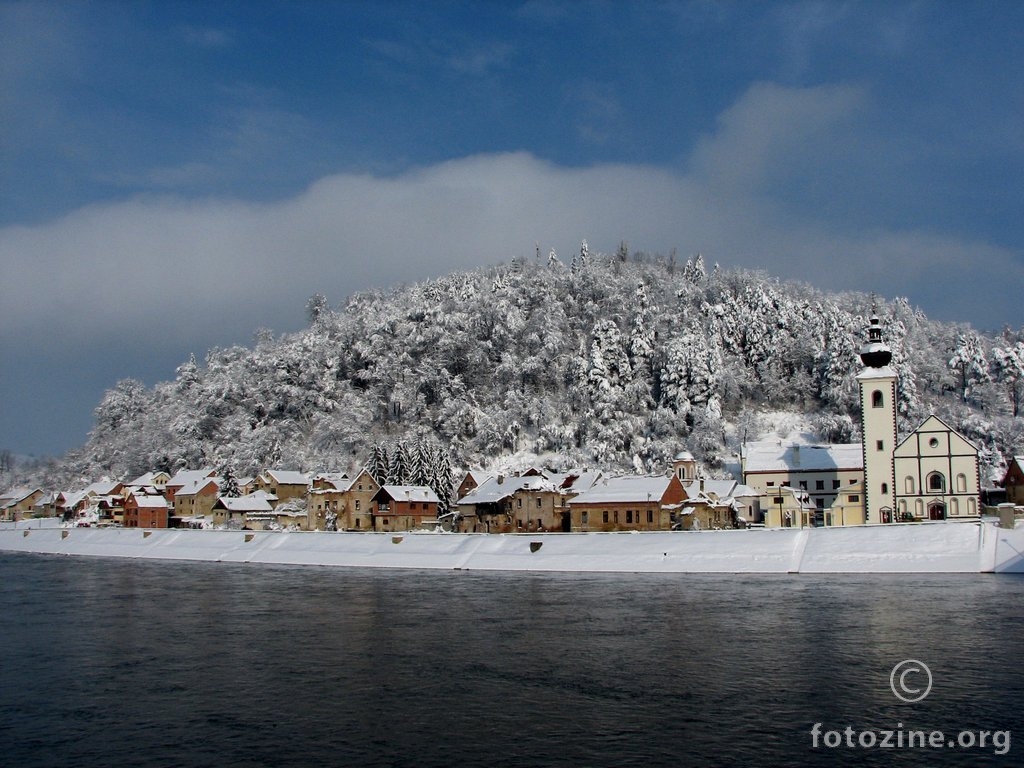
[
  {"x": 144, "y": 510},
  {"x": 17, "y": 504},
  {"x": 1013, "y": 481},
  {"x": 629, "y": 503},
  {"x": 474, "y": 478},
  {"x": 235, "y": 511},
  {"x": 720, "y": 504},
  {"x": 502, "y": 504},
  {"x": 157, "y": 479},
  {"x": 788, "y": 507},
  {"x": 822, "y": 471},
  {"x": 404, "y": 507},
  {"x": 185, "y": 477},
  {"x": 284, "y": 484},
  {"x": 194, "y": 501},
  {"x": 343, "y": 502}
]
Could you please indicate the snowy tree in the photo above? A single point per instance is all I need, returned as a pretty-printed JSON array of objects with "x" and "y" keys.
[
  {"x": 316, "y": 307},
  {"x": 969, "y": 362},
  {"x": 1008, "y": 370},
  {"x": 378, "y": 464},
  {"x": 229, "y": 483}
]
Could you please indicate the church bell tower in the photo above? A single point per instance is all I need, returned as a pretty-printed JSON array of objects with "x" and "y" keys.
[{"x": 877, "y": 382}]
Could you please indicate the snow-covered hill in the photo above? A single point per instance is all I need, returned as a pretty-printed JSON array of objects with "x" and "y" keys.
[{"x": 616, "y": 361}]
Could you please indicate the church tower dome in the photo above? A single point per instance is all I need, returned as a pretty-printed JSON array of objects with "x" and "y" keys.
[{"x": 875, "y": 353}]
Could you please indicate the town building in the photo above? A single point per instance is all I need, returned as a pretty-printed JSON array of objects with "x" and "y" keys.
[
  {"x": 404, "y": 508},
  {"x": 931, "y": 474},
  {"x": 629, "y": 503}
]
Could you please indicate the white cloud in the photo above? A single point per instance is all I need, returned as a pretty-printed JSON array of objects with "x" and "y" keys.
[{"x": 175, "y": 271}]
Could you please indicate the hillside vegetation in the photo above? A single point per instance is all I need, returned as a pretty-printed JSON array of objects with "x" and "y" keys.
[{"x": 616, "y": 361}]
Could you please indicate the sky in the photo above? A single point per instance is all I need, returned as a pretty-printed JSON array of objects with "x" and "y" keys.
[{"x": 175, "y": 176}]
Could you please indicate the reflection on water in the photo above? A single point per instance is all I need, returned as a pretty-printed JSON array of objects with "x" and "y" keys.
[{"x": 113, "y": 662}]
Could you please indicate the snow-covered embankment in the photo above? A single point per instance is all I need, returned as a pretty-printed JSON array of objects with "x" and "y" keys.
[{"x": 922, "y": 548}]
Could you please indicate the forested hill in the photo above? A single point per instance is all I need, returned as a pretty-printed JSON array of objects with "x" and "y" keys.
[{"x": 604, "y": 360}]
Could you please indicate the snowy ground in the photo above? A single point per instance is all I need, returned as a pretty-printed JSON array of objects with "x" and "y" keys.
[{"x": 919, "y": 548}]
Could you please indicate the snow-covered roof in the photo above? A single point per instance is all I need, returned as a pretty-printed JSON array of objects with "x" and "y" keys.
[
  {"x": 186, "y": 476},
  {"x": 144, "y": 501},
  {"x": 774, "y": 456},
  {"x": 410, "y": 493},
  {"x": 149, "y": 478},
  {"x": 287, "y": 477},
  {"x": 625, "y": 489},
  {"x": 721, "y": 489},
  {"x": 579, "y": 480},
  {"x": 102, "y": 488},
  {"x": 70, "y": 498},
  {"x": 13, "y": 498},
  {"x": 494, "y": 489},
  {"x": 195, "y": 486},
  {"x": 253, "y": 502}
]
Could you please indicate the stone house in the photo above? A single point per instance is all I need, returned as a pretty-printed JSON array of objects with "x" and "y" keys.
[
  {"x": 628, "y": 503},
  {"x": 404, "y": 507}
]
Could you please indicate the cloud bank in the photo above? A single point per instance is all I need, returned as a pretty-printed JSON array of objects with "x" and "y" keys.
[{"x": 170, "y": 273}]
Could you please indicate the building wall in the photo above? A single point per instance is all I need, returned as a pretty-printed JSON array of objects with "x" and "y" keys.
[
  {"x": 822, "y": 486},
  {"x": 620, "y": 516}
]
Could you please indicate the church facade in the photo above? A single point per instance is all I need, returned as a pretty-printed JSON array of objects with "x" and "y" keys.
[{"x": 931, "y": 474}]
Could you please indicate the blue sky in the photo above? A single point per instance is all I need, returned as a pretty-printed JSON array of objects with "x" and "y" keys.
[{"x": 175, "y": 175}]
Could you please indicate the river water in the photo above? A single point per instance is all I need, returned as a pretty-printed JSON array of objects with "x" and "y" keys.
[{"x": 128, "y": 663}]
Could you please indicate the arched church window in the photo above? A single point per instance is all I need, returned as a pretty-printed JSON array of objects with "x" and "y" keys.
[
  {"x": 909, "y": 484},
  {"x": 961, "y": 482},
  {"x": 936, "y": 482},
  {"x": 877, "y": 399}
]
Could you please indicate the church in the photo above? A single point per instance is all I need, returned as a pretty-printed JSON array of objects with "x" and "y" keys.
[{"x": 931, "y": 474}]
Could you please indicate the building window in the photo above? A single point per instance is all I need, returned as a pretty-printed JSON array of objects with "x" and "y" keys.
[
  {"x": 583, "y": 517},
  {"x": 879, "y": 445},
  {"x": 629, "y": 516},
  {"x": 770, "y": 483},
  {"x": 519, "y": 502},
  {"x": 909, "y": 484},
  {"x": 934, "y": 442},
  {"x": 819, "y": 485},
  {"x": 885, "y": 487},
  {"x": 357, "y": 504},
  {"x": 538, "y": 503},
  {"x": 777, "y": 500},
  {"x": 936, "y": 482},
  {"x": 803, "y": 485},
  {"x": 961, "y": 483},
  {"x": 650, "y": 515},
  {"x": 606, "y": 515},
  {"x": 853, "y": 498},
  {"x": 877, "y": 399}
]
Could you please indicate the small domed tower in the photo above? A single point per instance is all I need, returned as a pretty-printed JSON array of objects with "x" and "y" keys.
[
  {"x": 685, "y": 467},
  {"x": 877, "y": 382}
]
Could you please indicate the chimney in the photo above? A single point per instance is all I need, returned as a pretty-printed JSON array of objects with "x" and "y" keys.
[
  {"x": 796, "y": 455},
  {"x": 501, "y": 479}
]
